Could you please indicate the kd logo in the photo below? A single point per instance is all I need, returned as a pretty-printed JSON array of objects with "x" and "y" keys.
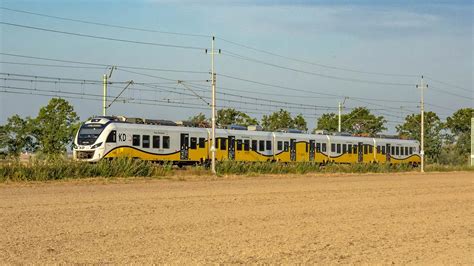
[{"x": 122, "y": 137}]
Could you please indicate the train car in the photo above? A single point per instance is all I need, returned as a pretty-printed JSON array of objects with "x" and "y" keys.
[{"x": 112, "y": 137}]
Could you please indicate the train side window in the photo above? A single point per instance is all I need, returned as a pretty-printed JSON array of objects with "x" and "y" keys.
[
  {"x": 239, "y": 144},
  {"x": 269, "y": 145},
  {"x": 397, "y": 150},
  {"x": 193, "y": 143},
  {"x": 280, "y": 145},
  {"x": 383, "y": 150},
  {"x": 246, "y": 145},
  {"x": 112, "y": 137},
  {"x": 318, "y": 147},
  {"x": 323, "y": 147},
  {"x": 146, "y": 141},
  {"x": 354, "y": 149},
  {"x": 366, "y": 150},
  {"x": 406, "y": 150},
  {"x": 223, "y": 144},
  {"x": 371, "y": 149},
  {"x": 136, "y": 140},
  {"x": 349, "y": 148},
  {"x": 402, "y": 150},
  {"x": 411, "y": 150},
  {"x": 202, "y": 143},
  {"x": 156, "y": 142},
  {"x": 378, "y": 148},
  {"x": 392, "y": 150},
  {"x": 261, "y": 145},
  {"x": 344, "y": 148},
  {"x": 217, "y": 143},
  {"x": 307, "y": 144},
  {"x": 333, "y": 147},
  {"x": 287, "y": 146},
  {"x": 338, "y": 148},
  {"x": 254, "y": 145},
  {"x": 166, "y": 142}
]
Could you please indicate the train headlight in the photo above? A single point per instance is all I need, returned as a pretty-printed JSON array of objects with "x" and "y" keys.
[{"x": 96, "y": 145}]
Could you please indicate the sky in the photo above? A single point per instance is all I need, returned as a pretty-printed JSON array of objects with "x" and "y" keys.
[{"x": 307, "y": 56}]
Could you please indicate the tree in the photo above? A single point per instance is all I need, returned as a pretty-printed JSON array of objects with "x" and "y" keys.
[
  {"x": 199, "y": 120},
  {"x": 359, "y": 122},
  {"x": 300, "y": 123},
  {"x": 282, "y": 119},
  {"x": 460, "y": 126},
  {"x": 327, "y": 122},
  {"x": 230, "y": 116},
  {"x": 55, "y": 125},
  {"x": 433, "y": 139},
  {"x": 16, "y": 136}
]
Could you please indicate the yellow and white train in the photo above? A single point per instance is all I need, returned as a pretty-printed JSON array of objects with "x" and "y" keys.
[{"x": 164, "y": 141}]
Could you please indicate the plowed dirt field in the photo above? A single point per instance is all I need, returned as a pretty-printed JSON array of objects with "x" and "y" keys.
[{"x": 378, "y": 218}]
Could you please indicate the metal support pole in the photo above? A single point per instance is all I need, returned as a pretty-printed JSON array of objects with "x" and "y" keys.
[
  {"x": 104, "y": 97},
  {"x": 339, "y": 120},
  {"x": 213, "y": 107},
  {"x": 422, "y": 86}
]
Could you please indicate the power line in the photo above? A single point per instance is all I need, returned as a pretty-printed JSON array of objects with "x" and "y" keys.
[
  {"x": 314, "y": 64},
  {"x": 105, "y": 24},
  {"x": 234, "y": 55},
  {"x": 449, "y": 93},
  {"x": 104, "y": 65},
  {"x": 102, "y": 37},
  {"x": 449, "y": 84}
]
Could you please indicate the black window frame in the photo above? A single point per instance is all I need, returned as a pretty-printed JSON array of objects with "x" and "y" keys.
[
  {"x": 344, "y": 148},
  {"x": 246, "y": 145},
  {"x": 166, "y": 142},
  {"x": 349, "y": 148},
  {"x": 239, "y": 145},
  {"x": 280, "y": 145},
  {"x": 223, "y": 144},
  {"x": 202, "y": 143},
  {"x": 136, "y": 140},
  {"x": 333, "y": 147},
  {"x": 112, "y": 137},
  {"x": 193, "y": 143},
  {"x": 268, "y": 145},
  {"x": 371, "y": 149},
  {"x": 411, "y": 150},
  {"x": 324, "y": 147},
  {"x": 338, "y": 148},
  {"x": 286, "y": 146},
  {"x": 146, "y": 141},
  {"x": 254, "y": 146},
  {"x": 261, "y": 145},
  {"x": 318, "y": 147},
  {"x": 156, "y": 142},
  {"x": 383, "y": 150}
]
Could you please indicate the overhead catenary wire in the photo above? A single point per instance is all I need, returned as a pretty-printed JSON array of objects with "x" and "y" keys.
[
  {"x": 104, "y": 65},
  {"x": 449, "y": 84},
  {"x": 234, "y": 55},
  {"x": 313, "y": 63},
  {"x": 101, "y": 37},
  {"x": 105, "y": 24}
]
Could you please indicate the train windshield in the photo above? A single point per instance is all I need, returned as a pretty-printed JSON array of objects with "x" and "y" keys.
[{"x": 88, "y": 133}]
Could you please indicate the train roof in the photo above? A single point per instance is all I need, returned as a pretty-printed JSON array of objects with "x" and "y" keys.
[{"x": 172, "y": 126}]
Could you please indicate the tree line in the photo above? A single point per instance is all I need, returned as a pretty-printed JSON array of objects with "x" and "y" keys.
[{"x": 53, "y": 129}]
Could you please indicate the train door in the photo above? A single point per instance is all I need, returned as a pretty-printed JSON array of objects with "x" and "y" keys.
[
  {"x": 360, "y": 152},
  {"x": 293, "y": 149},
  {"x": 184, "y": 152},
  {"x": 311, "y": 150},
  {"x": 231, "y": 147},
  {"x": 388, "y": 153}
]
